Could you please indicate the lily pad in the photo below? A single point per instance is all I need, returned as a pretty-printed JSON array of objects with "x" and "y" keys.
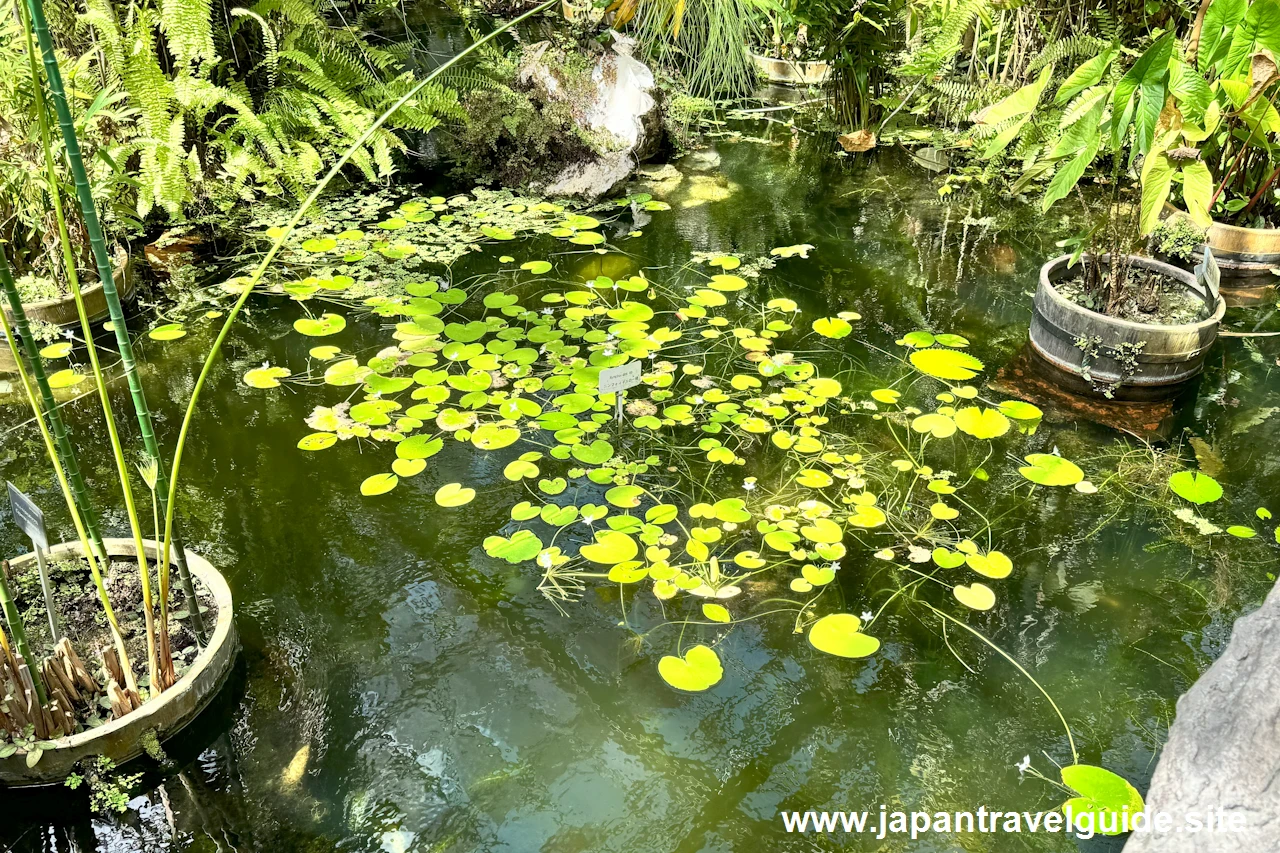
[
  {"x": 321, "y": 327},
  {"x": 454, "y": 495},
  {"x": 949, "y": 364},
  {"x": 1195, "y": 487},
  {"x": 1045, "y": 469},
  {"x": 378, "y": 484},
  {"x": 839, "y": 634},
  {"x": 698, "y": 670},
  {"x": 167, "y": 332},
  {"x": 977, "y": 596},
  {"x": 610, "y": 548}
]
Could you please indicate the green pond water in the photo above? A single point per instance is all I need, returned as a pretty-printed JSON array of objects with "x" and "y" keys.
[{"x": 402, "y": 690}]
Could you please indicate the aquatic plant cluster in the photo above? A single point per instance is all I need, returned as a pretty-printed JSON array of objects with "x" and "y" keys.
[{"x": 801, "y": 462}]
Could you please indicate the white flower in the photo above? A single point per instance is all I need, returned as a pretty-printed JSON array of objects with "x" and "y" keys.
[
  {"x": 835, "y": 565},
  {"x": 749, "y": 485},
  {"x": 69, "y": 334},
  {"x": 1023, "y": 766},
  {"x": 608, "y": 351},
  {"x": 548, "y": 310},
  {"x": 867, "y": 616},
  {"x": 544, "y": 559}
]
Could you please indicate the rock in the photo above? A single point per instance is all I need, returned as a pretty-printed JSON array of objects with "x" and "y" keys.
[
  {"x": 701, "y": 161},
  {"x": 1223, "y": 751},
  {"x": 659, "y": 179},
  {"x": 622, "y": 115}
]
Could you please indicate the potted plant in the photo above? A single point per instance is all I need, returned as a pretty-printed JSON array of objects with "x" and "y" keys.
[
  {"x": 1110, "y": 321},
  {"x": 1234, "y": 47},
  {"x": 789, "y": 55},
  {"x": 57, "y": 709},
  {"x": 25, "y": 230}
]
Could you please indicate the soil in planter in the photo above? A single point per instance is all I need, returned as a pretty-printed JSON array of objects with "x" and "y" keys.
[
  {"x": 1149, "y": 297},
  {"x": 81, "y": 618}
]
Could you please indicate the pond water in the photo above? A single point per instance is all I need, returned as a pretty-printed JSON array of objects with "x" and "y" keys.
[{"x": 403, "y": 690}]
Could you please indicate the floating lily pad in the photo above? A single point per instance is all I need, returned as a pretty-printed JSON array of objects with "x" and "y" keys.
[
  {"x": 698, "y": 670},
  {"x": 167, "y": 332},
  {"x": 1045, "y": 469},
  {"x": 265, "y": 376},
  {"x": 948, "y": 364},
  {"x": 378, "y": 484},
  {"x": 454, "y": 495},
  {"x": 321, "y": 327},
  {"x": 839, "y": 634},
  {"x": 1195, "y": 487}
]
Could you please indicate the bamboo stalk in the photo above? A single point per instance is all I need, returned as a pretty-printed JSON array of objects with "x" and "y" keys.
[
  {"x": 97, "y": 242},
  {"x": 60, "y": 434},
  {"x": 61, "y": 476},
  {"x": 154, "y": 664}
]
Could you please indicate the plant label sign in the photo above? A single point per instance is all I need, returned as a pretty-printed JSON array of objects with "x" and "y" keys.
[
  {"x": 620, "y": 378},
  {"x": 1208, "y": 274},
  {"x": 28, "y": 517}
]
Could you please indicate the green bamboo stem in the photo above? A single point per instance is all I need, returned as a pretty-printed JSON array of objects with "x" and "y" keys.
[
  {"x": 261, "y": 269},
  {"x": 60, "y": 473},
  {"x": 61, "y": 437},
  {"x": 97, "y": 242},
  {"x": 19, "y": 632}
]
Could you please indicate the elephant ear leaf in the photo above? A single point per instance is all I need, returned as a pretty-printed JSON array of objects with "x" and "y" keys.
[
  {"x": 1220, "y": 21},
  {"x": 1088, "y": 74}
]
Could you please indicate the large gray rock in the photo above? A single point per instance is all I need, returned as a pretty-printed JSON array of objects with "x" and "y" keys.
[
  {"x": 622, "y": 115},
  {"x": 1224, "y": 748}
]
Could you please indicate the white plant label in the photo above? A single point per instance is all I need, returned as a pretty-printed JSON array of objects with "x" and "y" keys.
[{"x": 620, "y": 378}]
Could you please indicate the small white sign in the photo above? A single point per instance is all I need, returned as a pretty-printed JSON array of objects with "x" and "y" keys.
[{"x": 619, "y": 378}]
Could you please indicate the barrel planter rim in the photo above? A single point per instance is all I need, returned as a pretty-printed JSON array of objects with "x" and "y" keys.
[
  {"x": 798, "y": 72},
  {"x": 1170, "y": 356},
  {"x": 1180, "y": 275},
  {"x": 66, "y": 305},
  {"x": 161, "y": 714}
]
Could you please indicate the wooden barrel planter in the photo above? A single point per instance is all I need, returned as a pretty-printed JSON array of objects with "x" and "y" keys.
[
  {"x": 62, "y": 311},
  {"x": 164, "y": 715},
  {"x": 792, "y": 72},
  {"x": 1171, "y": 355},
  {"x": 1246, "y": 258}
]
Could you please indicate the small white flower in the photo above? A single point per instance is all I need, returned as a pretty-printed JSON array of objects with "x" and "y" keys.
[
  {"x": 697, "y": 398},
  {"x": 867, "y": 616},
  {"x": 548, "y": 310},
  {"x": 544, "y": 559},
  {"x": 749, "y": 485},
  {"x": 835, "y": 565},
  {"x": 1023, "y": 766},
  {"x": 70, "y": 335},
  {"x": 609, "y": 351}
]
